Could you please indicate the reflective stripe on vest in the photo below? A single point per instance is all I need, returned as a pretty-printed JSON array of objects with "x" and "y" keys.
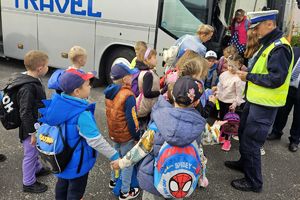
[{"x": 273, "y": 97}]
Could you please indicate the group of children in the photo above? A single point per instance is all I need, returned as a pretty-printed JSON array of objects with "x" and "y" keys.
[
  {"x": 193, "y": 85},
  {"x": 143, "y": 112}
]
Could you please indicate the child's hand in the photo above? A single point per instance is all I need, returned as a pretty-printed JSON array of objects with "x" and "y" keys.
[
  {"x": 214, "y": 88},
  {"x": 242, "y": 75},
  {"x": 115, "y": 164},
  {"x": 212, "y": 99},
  {"x": 232, "y": 107},
  {"x": 244, "y": 68},
  {"x": 33, "y": 140},
  {"x": 203, "y": 182},
  {"x": 220, "y": 123}
]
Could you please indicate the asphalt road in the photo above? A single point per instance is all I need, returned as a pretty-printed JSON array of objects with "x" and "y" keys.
[{"x": 281, "y": 168}]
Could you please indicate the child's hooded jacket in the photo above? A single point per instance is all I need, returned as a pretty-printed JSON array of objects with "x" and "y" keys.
[{"x": 78, "y": 115}]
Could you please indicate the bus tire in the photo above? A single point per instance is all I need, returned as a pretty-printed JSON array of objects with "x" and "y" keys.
[{"x": 118, "y": 54}]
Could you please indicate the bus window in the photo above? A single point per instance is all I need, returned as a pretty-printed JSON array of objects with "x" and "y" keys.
[{"x": 180, "y": 17}]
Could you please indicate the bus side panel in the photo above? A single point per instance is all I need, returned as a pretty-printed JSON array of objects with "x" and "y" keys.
[
  {"x": 108, "y": 34},
  {"x": 57, "y": 34},
  {"x": 122, "y": 31},
  {"x": 19, "y": 33}
]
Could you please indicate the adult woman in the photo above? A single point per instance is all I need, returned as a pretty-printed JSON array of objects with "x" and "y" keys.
[
  {"x": 250, "y": 54},
  {"x": 251, "y": 48}
]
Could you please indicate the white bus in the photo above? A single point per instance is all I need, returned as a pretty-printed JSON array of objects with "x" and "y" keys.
[{"x": 108, "y": 29}]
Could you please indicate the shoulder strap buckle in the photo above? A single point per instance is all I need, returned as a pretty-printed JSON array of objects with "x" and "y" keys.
[{"x": 277, "y": 42}]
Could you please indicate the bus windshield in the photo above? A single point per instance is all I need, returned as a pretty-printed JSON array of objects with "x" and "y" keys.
[{"x": 180, "y": 17}]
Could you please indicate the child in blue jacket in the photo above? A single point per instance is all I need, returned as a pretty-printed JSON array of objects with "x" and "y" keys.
[{"x": 73, "y": 109}]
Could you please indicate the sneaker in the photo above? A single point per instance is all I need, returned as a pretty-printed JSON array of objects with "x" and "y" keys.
[
  {"x": 226, "y": 146},
  {"x": 2, "y": 158},
  {"x": 262, "y": 151},
  {"x": 43, "y": 172},
  {"x": 37, "y": 187},
  {"x": 133, "y": 193},
  {"x": 112, "y": 184},
  {"x": 235, "y": 137},
  {"x": 221, "y": 139}
]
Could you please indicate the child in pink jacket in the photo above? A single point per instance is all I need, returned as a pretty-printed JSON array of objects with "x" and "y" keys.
[{"x": 230, "y": 91}]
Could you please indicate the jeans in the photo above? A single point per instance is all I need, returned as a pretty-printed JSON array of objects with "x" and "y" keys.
[
  {"x": 71, "y": 189},
  {"x": 126, "y": 173}
]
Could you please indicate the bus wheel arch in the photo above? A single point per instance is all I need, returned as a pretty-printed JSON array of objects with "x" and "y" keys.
[{"x": 112, "y": 55}]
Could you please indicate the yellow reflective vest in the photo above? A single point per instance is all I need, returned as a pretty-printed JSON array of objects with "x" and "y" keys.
[{"x": 272, "y": 97}]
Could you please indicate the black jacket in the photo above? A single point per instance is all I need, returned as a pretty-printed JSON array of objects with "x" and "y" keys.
[{"x": 29, "y": 98}]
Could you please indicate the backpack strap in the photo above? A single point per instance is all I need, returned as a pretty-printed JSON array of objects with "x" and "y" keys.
[
  {"x": 61, "y": 135},
  {"x": 140, "y": 87},
  {"x": 64, "y": 140},
  {"x": 94, "y": 153},
  {"x": 90, "y": 108},
  {"x": 81, "y": 158},
  {"x": 139, "y": 101}
]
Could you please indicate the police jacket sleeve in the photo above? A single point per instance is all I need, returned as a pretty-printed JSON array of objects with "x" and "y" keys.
[
  {"x": 278, "y": 65},
  {"x": 147, "y": 86},
  {"x": 26, "y": 103},
  {"x": 131, "y": 117}
]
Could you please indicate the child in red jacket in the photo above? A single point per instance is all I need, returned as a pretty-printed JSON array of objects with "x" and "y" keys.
[{"x": 239, "y": 27}]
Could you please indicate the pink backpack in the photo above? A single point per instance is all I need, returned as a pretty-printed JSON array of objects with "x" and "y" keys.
[{"x": 232, "y": 126}]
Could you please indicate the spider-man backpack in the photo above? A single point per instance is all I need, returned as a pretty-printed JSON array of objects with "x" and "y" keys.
[
  {"x": 232, "y": 125},
  {"x": 177, "y": 170}
]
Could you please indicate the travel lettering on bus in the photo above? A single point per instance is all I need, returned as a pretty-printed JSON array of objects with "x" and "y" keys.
[{"x": 76, "y": 6}]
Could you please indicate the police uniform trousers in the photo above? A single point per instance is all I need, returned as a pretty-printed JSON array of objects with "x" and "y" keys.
[{"x": 255, "y": 124}]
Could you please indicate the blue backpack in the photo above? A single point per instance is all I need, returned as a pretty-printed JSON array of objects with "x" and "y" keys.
[
  {"x": 54, "y": 149},
  {"x": 177, "y": 170}
]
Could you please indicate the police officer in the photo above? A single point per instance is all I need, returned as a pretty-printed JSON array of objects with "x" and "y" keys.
[{"x": 267, "y": 87}]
